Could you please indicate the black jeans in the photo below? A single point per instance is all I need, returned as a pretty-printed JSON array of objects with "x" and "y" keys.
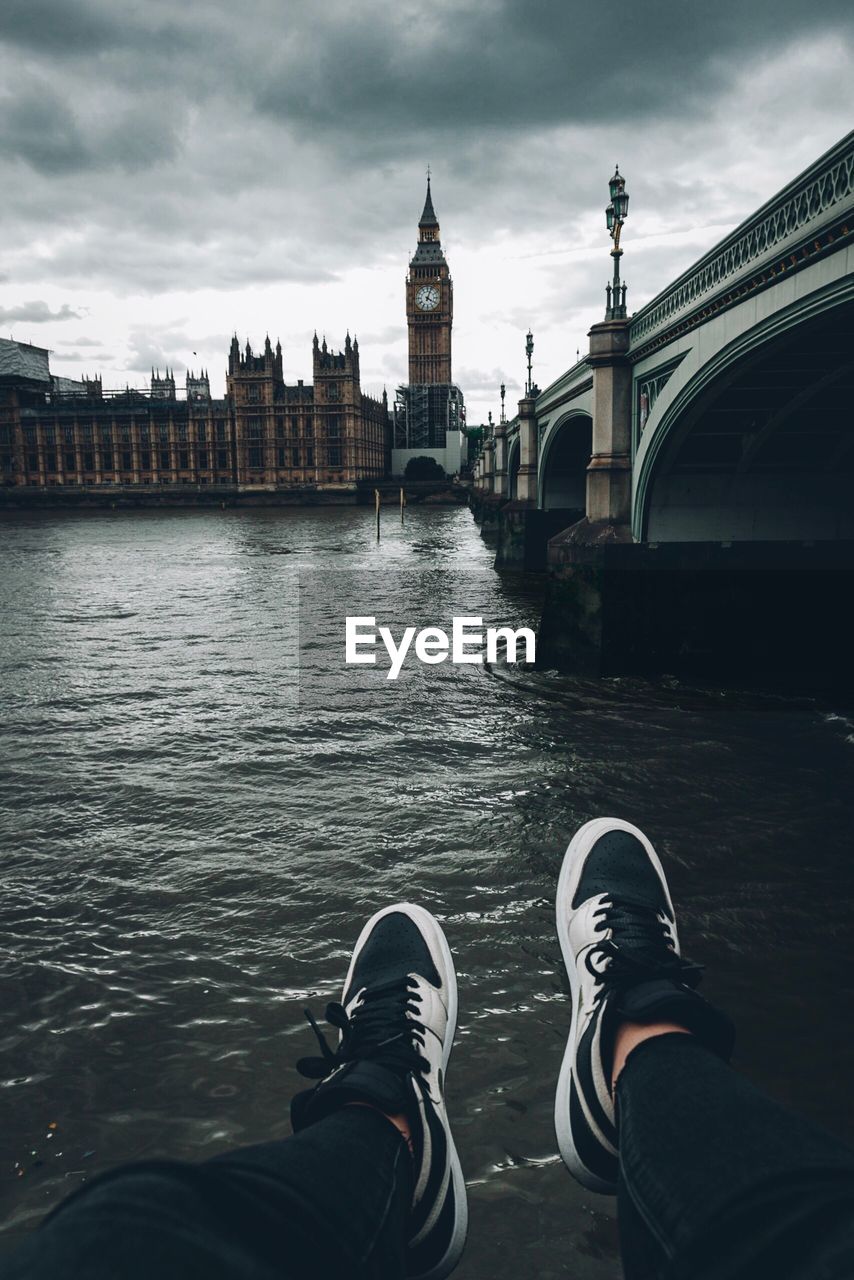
[
  {"x": 717, "y": 1183},
  {"x": 331, "y": 1201}
]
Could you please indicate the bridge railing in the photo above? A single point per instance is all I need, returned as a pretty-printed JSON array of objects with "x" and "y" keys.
[{"x": 803, "y": 207}]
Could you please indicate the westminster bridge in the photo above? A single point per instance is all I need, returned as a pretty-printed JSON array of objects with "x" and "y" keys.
[{"x": 689, "y": 483}]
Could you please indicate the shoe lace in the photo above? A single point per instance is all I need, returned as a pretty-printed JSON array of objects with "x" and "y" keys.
[
  {"x": 640, "y": 949},
  {"x": 379, "y": 1028}
]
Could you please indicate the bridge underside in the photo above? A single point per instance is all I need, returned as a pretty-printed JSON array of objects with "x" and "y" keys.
[
  {"x": 513, "y": 471},
  {"x": 564, "y": 467},
  {"x": 746, "y": 566},
  {"x": 767, "y": 451}
]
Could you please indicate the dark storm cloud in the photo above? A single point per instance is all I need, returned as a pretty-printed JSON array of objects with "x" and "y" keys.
[
  {"x": 54, "y": 25},
  {"x": 515, "y": 65},
  {"x": 154, "y": 146},
  {"x": 37, "y": 313},
  {"x": 56, "y": 133},
  {"x": 75, "y": 28},
  {"x": 37, "y": 127}
]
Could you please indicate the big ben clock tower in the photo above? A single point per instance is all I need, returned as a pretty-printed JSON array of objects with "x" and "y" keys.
[
  {"x": 429, "y": 304},
  {"x": 429, "y": 413}
]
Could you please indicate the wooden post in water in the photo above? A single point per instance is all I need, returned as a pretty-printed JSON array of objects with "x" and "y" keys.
[
  {"x": 377, "y": 501},
  {"x": 402, "y": 503}
]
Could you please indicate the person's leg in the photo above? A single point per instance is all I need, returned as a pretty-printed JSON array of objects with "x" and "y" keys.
[
  {"x": 397, "y": 1019},
  {"x": 369, "y": 1187},
  {"x": 332, "y": 1200},
  {"x": 716, "y": 1182}
]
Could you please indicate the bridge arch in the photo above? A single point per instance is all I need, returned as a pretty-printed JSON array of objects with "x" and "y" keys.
[
  {"x": 564, "y": 459},
  {"x": 757, "y": 443}
]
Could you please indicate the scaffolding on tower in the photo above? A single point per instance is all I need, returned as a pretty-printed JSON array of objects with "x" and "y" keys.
[{"x": 425, "y": 413}]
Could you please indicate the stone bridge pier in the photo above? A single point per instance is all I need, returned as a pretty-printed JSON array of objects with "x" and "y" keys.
[{"x": 609, "y": 472}]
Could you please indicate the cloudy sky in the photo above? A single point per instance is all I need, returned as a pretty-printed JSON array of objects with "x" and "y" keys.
[{"x": 172, "y": 173}]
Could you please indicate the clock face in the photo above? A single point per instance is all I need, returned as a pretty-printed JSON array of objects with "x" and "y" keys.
[{"x": 427, "y": 297}]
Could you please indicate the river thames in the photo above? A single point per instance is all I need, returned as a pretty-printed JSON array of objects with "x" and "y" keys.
[{"x": 201, "y": 806}]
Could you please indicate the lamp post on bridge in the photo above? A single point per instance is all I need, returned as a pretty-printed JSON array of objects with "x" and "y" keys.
[
  {"x": 609, "y": 473},
  {"x": 526, "y": 480},
  {"x": 615, "y": 215},
  {"x": 489, "y": 454},
  {"x": 499, "y": 436}
]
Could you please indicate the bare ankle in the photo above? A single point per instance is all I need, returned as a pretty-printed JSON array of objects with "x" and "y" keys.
[
  {"x": 630, "y": 1035},
  {"x": 399, "y": 1121}
]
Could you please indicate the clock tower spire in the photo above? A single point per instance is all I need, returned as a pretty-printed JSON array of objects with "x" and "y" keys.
[{"x": 429, "y": 303}]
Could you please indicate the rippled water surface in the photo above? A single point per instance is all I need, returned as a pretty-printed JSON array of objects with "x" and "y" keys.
[{"x": 201, "y": 805}]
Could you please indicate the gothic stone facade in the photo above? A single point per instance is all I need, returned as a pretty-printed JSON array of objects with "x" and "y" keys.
[
  {"x": 328, "y": 433},
  {"x": 263, "y": 435}
]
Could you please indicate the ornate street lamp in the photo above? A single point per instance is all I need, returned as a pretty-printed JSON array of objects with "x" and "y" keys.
[
  {"x": 503, "y": 394},
  {"x": 615, "y": 215},
  {"x": 529, "y": 350}
]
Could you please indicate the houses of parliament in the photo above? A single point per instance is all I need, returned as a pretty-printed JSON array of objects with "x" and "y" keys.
[{"x": 264, "y": 435}]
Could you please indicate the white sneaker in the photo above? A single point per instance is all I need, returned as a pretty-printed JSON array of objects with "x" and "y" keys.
[
  {"x": 396, "y": 1024},
  {"x": 617, "y": 932}
]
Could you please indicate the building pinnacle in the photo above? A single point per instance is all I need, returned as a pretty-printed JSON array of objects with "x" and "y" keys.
[{"x": 428, "y": 217}]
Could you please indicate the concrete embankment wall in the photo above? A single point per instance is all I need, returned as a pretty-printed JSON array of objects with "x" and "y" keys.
[
  {"x": 763, "y": 614},
  {"x": 769, "y": 614},
  {"x": 24, "y": 498},
  {"x": 519, "y": 531}
]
